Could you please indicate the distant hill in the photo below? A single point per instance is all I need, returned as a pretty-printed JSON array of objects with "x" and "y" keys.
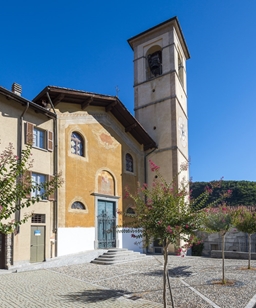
[{"x": 243, "y": 192}]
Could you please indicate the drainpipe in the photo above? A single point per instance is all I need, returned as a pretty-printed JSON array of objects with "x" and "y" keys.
[
  {"x": 55, "y": 171},
  {"x": 19, "y": 147},
  {"x": 20, "y": 133}
]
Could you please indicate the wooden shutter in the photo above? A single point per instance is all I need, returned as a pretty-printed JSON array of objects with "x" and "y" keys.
[
  {"x": 50, "y": 141},
  {"x": 29, "y": 133},
  {"x": 51, "y": 197}
]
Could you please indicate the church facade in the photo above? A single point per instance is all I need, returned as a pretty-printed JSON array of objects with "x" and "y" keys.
[{"x": 100, "y": 148}]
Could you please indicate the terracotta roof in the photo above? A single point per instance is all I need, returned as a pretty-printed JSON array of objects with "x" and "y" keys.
[
  {"x": 23, "y": 101},
  {"x": 109, "y": 103}
]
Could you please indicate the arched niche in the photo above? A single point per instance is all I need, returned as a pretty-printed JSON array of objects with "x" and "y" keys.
[{"x": 106, "y": 183}]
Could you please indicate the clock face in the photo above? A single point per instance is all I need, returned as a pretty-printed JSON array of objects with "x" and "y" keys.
[{"x": 182, "y": 131}]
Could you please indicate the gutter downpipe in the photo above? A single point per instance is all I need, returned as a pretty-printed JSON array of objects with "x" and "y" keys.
[
  {"x": 55, "y": 171},
  {"x": 20, "y": 133},
  {"x": 146, "y": 173},
  {"x": 19, "y": 146}
]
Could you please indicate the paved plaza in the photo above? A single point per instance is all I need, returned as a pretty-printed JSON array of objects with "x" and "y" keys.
[{"x": 134, "y": 284}]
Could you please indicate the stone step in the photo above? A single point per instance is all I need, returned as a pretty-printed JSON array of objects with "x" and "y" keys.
[
  {"x": 115, "y": 256},
  {"x": 120, "y": 258},
  {"x": 110, "y": 262},
  {"x": 119, "y": 255}
]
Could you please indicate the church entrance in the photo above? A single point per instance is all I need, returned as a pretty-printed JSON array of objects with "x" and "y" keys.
[
  {"x": 2, "y": 250},
  {"x": 106, "y": 221}
]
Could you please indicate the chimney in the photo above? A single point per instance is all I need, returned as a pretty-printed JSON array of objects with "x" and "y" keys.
[{"x": 16, "y": 89}]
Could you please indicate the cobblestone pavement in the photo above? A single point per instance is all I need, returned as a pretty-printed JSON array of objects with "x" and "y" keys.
[{"x": 135, "y": 284}]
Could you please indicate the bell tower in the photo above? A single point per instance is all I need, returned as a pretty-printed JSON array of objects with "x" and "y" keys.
[{"x": 160, "y": 93}]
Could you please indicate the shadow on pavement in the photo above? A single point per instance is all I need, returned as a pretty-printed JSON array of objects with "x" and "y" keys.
[
  {"x": 92, "y": 296},
  {"x": 180, "y": 271}
]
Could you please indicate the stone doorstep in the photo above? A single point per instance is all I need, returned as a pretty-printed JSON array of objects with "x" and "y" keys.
[
  {"x": 102, "y": 258},
  {"x": 112, "y": 262},
  {"x": 114, "y": 256},
  {"x": 123, "y": 255}
]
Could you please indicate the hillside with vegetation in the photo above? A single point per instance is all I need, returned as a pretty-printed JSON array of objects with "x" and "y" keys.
[{"x": 243, "y": 192}]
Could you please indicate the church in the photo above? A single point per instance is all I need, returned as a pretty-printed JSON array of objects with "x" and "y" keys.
[{"x": 100, "y": 148}]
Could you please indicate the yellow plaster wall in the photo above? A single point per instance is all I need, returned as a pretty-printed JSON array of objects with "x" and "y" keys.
[{"x": 105, "y": 150}]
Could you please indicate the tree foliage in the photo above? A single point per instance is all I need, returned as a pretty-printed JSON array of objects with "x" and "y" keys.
[
  {"x": 243, "y": 192},
  {"x": 219, "y": 219},
  {"x": 245, "y": 220},
  {"x": 164, "y": 212},
  {"x": 16, "y": 185}
]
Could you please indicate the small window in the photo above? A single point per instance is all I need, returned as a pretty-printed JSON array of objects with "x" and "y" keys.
[
  {"x": 38, "y": 179},
  {"x": 180, "y": 69},
  {"x": 77, "y": 145},
  {"x": 129, "y": 162},
  {"x": 77, "y": 205},
  {"x": 130, "y": 211},
  {"x": 39, "y": 138},
  {"x": 38, "y": 218}
]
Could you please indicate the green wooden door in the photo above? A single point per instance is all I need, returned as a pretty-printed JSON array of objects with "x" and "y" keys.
[
  {"x": 37, "y": 245},
  {"x": 106, "y": 224}
]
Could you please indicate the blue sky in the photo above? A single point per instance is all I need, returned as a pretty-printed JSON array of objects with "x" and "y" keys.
[{"x": 82, "y": 44}]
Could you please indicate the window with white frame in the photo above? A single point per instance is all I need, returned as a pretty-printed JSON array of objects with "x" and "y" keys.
[
  {"x": 39, "y": 138},
  {"x": 37, "y": 180}
]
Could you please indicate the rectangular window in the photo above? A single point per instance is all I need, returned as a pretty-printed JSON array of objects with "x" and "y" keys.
[
  {"x": 39, "y": 138},
  {"x": 38, "y": 179},
  {"x": 38, "y": 218}
]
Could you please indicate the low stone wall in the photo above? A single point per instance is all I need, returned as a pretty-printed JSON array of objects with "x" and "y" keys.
[
  {"x": 234, "y": 242},
  {"x": 232, "y": 254}
]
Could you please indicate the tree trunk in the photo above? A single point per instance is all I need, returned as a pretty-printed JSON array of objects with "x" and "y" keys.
[
  {"x": 249, "y": 251},
  {"x": 165, "y": 246},
  {"x": 223, "y": 258},
  {"x": 170, "y": 289}
]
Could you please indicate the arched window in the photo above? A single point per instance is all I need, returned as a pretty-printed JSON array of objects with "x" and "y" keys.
[
  {"x": 77, "y": 205},
  {"x": 77, "y": 144},
  {"x": 130, "y": 211},
  {"x": 128, "y": 162}
]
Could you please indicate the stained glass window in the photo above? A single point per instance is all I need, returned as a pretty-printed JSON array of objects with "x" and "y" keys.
[
  {"x": 77, "y": 205},
  {"x": 129, "y": 162}
]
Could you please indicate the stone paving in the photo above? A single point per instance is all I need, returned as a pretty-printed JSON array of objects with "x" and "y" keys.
[{"x": 133, "y": 284}]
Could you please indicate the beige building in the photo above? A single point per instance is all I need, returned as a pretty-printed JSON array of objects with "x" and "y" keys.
[
  {"x": 20, "y": 119},
  {"x": 100, "y": 148}
]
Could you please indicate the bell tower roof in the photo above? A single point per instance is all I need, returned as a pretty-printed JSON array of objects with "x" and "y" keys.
[{"x": 172, "y": 22}]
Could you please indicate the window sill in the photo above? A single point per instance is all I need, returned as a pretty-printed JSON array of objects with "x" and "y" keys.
[{"x": 42, "y": 149}]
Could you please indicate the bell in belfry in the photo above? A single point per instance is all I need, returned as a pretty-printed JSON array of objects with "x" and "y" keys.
[{"x": 155, "y": 63}]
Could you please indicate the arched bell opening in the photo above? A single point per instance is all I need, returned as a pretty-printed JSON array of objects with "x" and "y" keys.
[{"x": 154, "y": 62}]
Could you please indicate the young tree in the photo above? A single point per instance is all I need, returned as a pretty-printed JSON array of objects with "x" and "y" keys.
[
  {"x": 16, "y": 186},
  {"x": 219, "y": 219},
  {"x": 163, "y": 212},
  {"x": 245, "y": 221}
]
